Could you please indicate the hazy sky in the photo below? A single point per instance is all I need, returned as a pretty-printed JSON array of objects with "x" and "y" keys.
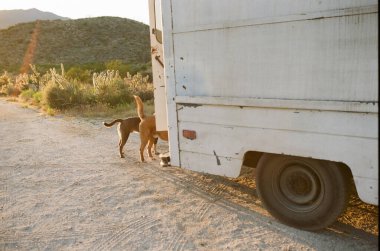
[{"x": 132, "y": 9}]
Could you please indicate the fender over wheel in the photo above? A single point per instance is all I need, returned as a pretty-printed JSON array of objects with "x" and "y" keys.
[{"x": 302, "y": 192}]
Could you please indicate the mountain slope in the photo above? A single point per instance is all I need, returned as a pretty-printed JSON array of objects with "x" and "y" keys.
[
  {"x": 77, "y": 41},
  {"x": 13, "y": 17}
]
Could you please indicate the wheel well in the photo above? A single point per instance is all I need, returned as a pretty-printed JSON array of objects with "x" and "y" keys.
[
  {"x": 251, "y": 158},
  {"x": 349, "y": 176}
]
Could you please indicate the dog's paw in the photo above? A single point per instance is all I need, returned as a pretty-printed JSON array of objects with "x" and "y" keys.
[{"x": 164, "y": 163}]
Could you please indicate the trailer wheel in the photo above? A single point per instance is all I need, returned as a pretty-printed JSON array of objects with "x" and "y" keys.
[{"x": 301, "y": 192}]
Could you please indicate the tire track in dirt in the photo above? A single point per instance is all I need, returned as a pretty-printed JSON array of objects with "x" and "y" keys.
[
  {"x": 203, "y": 208},
  {"x": 6, "y": 172},
  {"x": 133, "y": 228},
  {"x": 108, "y": 238},
  {"x": 119, "y": 234},
  {"x": 177, "y": 243},
  {"x": 24, "y": 238}
]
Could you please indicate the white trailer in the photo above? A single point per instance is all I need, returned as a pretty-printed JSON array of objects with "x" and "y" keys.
[{"x": 289, "y": 87}]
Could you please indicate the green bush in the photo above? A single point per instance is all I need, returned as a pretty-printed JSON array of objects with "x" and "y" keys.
[
  {"x": 117, "y": 65},
  {"x": 54, "y": 96},
  {"x": 37, "y": 97},
  {"x": 31, "y": 96},
  {"x": 58, "y": 97},
  {"x": 27, "y": 95},
  {"x": 77, "y": 73},
  {"x": 60, "y": 93}
]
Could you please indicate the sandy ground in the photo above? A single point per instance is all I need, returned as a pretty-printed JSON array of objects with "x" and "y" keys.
[{"x": 64, "y": 187}]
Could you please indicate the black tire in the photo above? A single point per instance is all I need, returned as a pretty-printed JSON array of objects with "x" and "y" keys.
[{"x": 305, "y": 193}]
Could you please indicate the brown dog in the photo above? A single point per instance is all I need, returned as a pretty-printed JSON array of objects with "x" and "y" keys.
[
  {"x": 148, "y": 133},
  {"x": 125, "y": 127}
]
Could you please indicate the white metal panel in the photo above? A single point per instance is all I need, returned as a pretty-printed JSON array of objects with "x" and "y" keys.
[
  {"x": 367, "y": 189},
  {"x": 319, "y": 105},
  {"x": 194, "y": 14},
  {"x": 327, "y": 122},
  {"x": 324, "y": 59},
  {"x": 232, "y": 142},
  {"x": 213, "y": 163}
]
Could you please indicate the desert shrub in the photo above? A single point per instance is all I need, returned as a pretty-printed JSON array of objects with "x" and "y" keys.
[
  {"x": 31, "y": 96},
  {"x": 27, "y": 95},
  {"x": 45, "y": 79},
  {"x": 7, "y": 86},
  {"x": 10, "y": 90},
  {"x": 117, "y": 65},
  {"x": 5, "y": 79},
  {"x": 110, "y": 89},
  {"x": 22, "y": 81},
  {"x": 34, "y": 79},
  {"x": 54, "y": 96},
  {"x": 37, "y": 97},
  {"x": 63, "y": 97},
  {"x": 60, "y": 93},
  {"x": 140, "y": 86},
  {"x": 137, "y": 68},
  {"x": 82, "y": 75}
]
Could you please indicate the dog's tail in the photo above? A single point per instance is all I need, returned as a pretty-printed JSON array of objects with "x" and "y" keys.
[
  {"x": 140, "y": 107},
  {"x": 112, "y": 123}
]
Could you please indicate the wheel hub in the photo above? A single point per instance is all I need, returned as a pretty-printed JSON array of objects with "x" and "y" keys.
[{"x": 300, "y": 185}]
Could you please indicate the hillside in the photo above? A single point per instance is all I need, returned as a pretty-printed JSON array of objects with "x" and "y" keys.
[
  {"x": 80, "y": 41},
  {"x": 13, "y": 17}
]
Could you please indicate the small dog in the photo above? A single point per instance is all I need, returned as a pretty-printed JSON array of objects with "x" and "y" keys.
[
  {"x": 147, "y": 127},
  {"x": 124, "y": 128},
  {"x": 165, "y": 159}
]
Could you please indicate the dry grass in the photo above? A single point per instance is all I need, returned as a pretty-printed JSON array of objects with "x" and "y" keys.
[
  {"x": 87, "y": 111},
  {"x": 104, "y": 111}
]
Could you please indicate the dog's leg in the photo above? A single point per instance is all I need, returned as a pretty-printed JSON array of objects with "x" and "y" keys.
[
  {"x": 155, "y": 146},
  {"x": 150, "y": 144},
  {"x": 122, "y": 142},
  {"x": 144, "y": 142},
  {"x": 120, "y": 149}
]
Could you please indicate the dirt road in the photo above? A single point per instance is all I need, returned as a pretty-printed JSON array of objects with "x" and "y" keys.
[{"x": 64, "y": 187}]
